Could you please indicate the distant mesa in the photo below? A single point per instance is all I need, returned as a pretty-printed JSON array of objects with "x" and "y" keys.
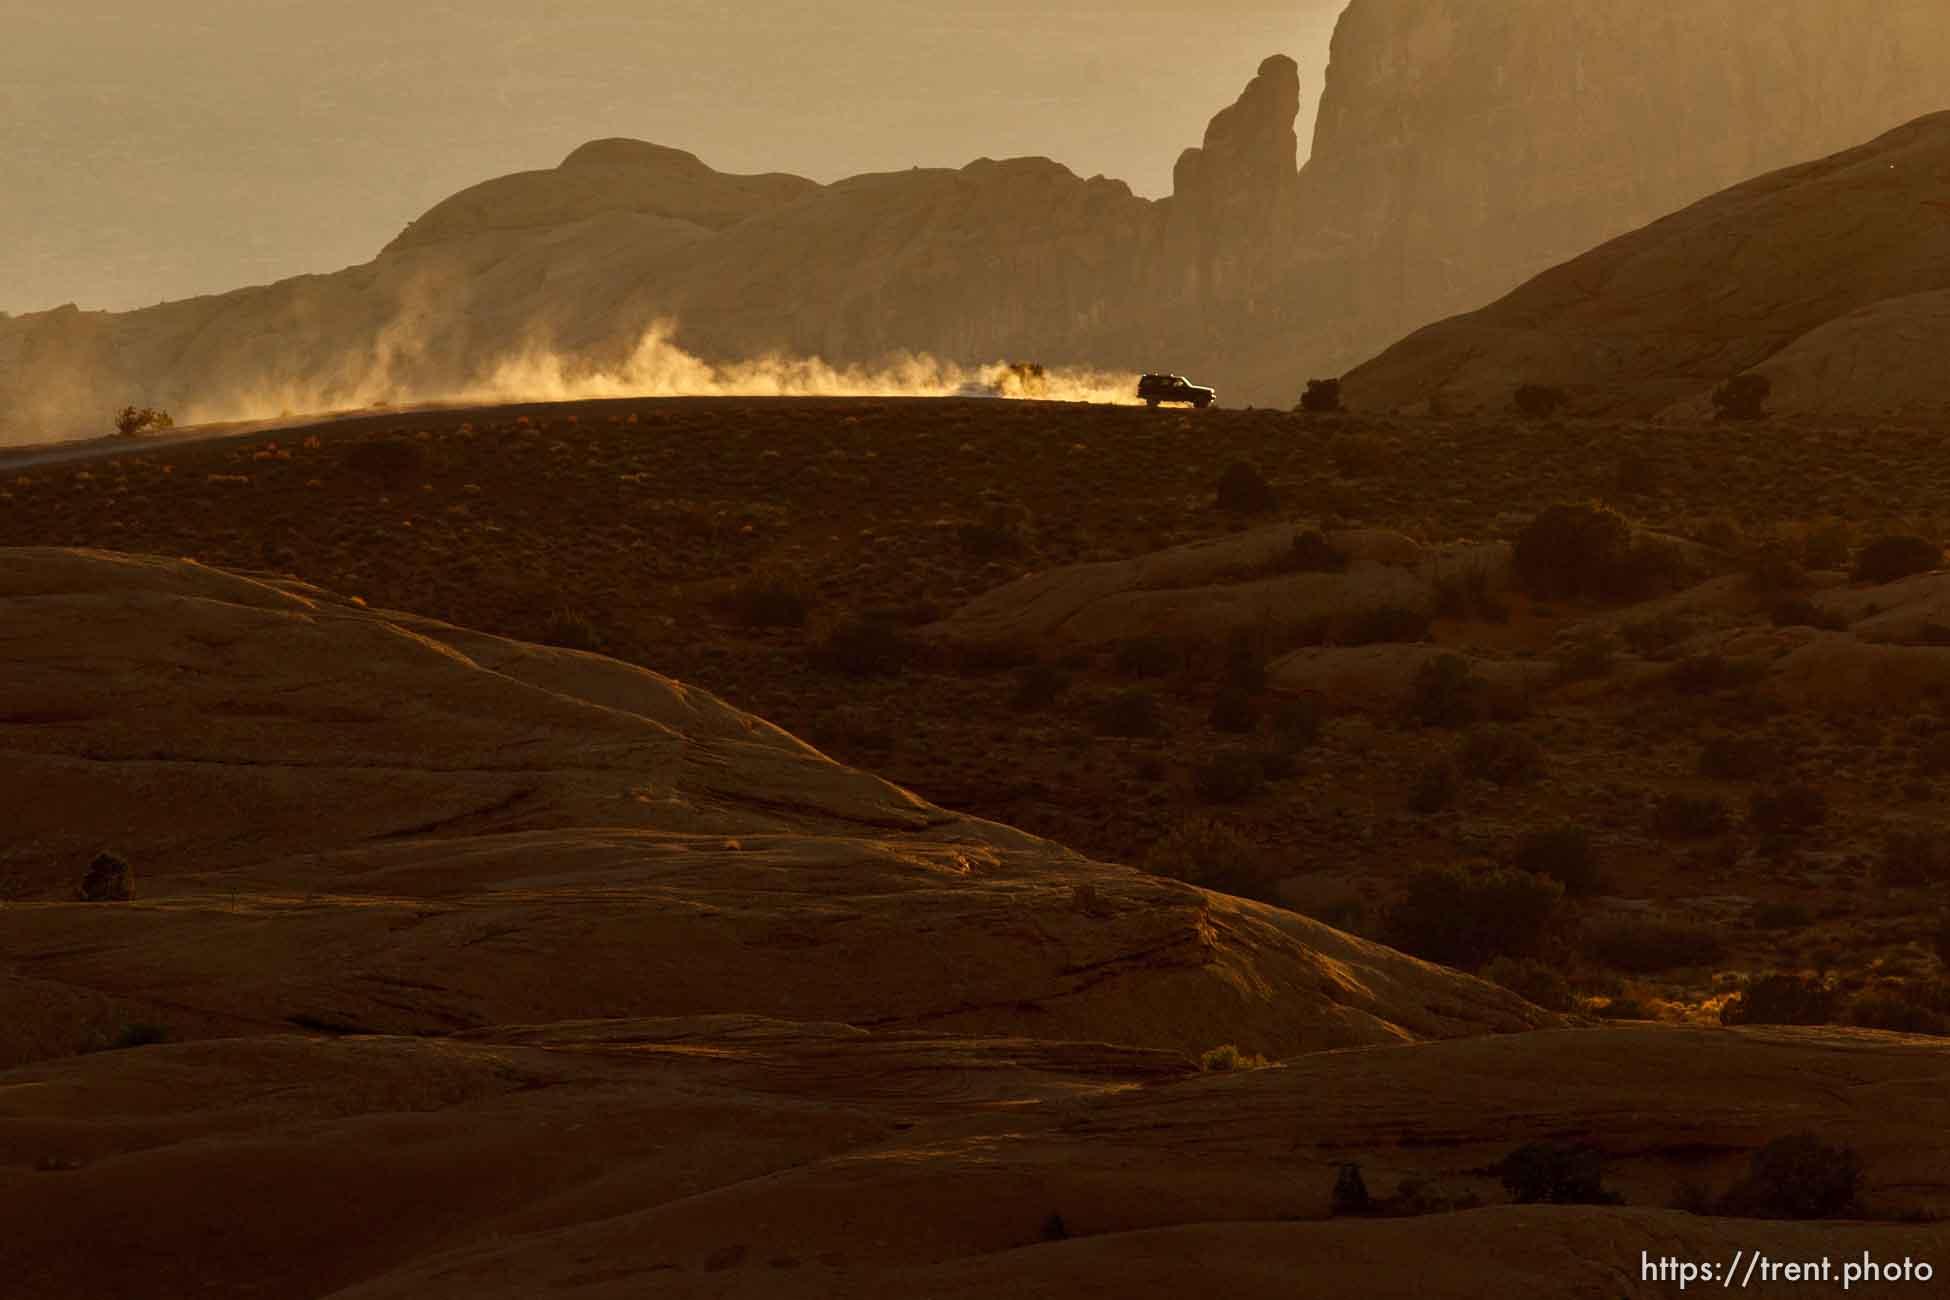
[{"x": 604, "y": 176}]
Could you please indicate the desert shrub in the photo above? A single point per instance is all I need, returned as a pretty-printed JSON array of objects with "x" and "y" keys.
[
  {"x": 1588, "y": 552},
  {"x": 1780, "y": 1000},
  {"x": 1229, "y": 776},
  {"x": 1709, "y": 674},
  {"x": 1909, "y": 859},
  {"x": 1350, "y": 1191},
  {"x": 1889, "y": 1009},
  {"x": 1572, "y": 550},
  {"x": 1690, "y": 817},
  {"x": 1131, "y": 714},
  {"x": 1276, "y": 762},
  {"x": 1637, "y": 475},
  {"x": 1539, "y": 401},
  {"x": 1435, "y": 786},
  {"x": 139, "y": 1035},
  {"x": 1799, "y": 611},
  {"x": 1502, "y": 755},
  {"x": 1888, "y": 558},
  {"x": 133, "y": 420},
  {"x": 1242, "y": 665},
  {"x": 1555, "y": 1173},
  {"x": 110, "y": 879},
  {"x": 1243, "y": 490},
  {"x": 1148, "y": 656},
  {"x": 1743, "y": 397},
  {"x": 1386, "y": 625},
  {"x": 1739, "y": 758},
  {"x": 1532, "y": 981},
  {"x": 1798, "y": 1177},
  {"x": 1357, "y": 455},
  {"x": 1295, "y": 721},
  {"x": 769, "y": 600},
  {"x": 1209, "y": 853},
  {"x": 1447, "y": 692},
  {"x": 1641, "y": 945},
  {"x": 1587, "y": 661},
  {"x": 1311, "y": 552},
  {"x": 1780, "y": 916},
  {"x": 1465, "y": 916},
  {"x": 1038, "y": 686},
  {"x": 1788, "y": 809},
  {"x": 570, "y": 629},
  {"x": 1465, "y": 593},
  {"x": 995, "y": 538},
  {"x": 855, "y": 728},
  {"x": 862, "y": 645},
  {"x": 1564, "y": 853},
  {"x": 1652, "y": 565},
  {"x": 1227, "y": 1058},
  {"x": 1773, "y": 570},
  {"x": 388, "y": 460},
  {"x": 1933, "y": 755},
  {"x": 1655, "y": 636},
  {"x": 1827, "y": 545},
  {"x": 1321, "y": 395},
  {"x": 985, "y": 658},
  {"x": 1234, "y": 712}
]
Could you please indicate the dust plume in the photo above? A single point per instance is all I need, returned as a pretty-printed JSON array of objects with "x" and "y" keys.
[{"x": 392, "y": 374}]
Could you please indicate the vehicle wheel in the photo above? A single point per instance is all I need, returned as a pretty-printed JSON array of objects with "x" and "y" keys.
[{"x": 1151, "y": 402}]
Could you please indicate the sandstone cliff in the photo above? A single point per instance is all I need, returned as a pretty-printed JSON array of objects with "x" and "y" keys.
[
  {"x": 1829, "y": 278},
  {"x": 1462, "y": 147}
]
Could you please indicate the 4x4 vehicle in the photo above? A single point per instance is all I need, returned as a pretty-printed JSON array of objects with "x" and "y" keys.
[{"x": 1174, "y": 388}]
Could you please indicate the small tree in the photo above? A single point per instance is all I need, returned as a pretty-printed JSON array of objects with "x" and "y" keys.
[
  {"x": 1799, "y": 1177},
  {"x": 133, "y": 420},
  {"x": 1351, "y": 1191},
  {"x": 1780, "y": 1000},
  {"x": 1243, "y": 490},
  {"x": 1743, "y": 397},
  {"x": 1888, "y": 558},
  {"x": 1556, "y": 1173},
  {"x": 1209, "y": 853},
  {"x": 110, "y": 879},
  {"x": 1564, "y": 853},
  {"x": 1540, "y": 401},
  {"x": 1574, "y": 550},
  {"x": 1321, "y": 395},
  {"x": 1465, "y": 917},
  {"x": 1447, "y": 692}
]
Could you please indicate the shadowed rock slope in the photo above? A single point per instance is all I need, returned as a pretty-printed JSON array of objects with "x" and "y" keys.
[
  {"x": 1828, "y": 278},
  {"x": 372, "y": 822}
]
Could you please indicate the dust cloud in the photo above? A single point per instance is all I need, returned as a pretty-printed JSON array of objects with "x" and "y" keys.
[{"x": 392, "y": 373}]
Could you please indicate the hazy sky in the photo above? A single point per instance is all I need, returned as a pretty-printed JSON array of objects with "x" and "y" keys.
[{"x": 159, "y": 150}]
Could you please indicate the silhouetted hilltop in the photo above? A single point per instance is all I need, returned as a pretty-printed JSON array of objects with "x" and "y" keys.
[{"x": 1460, "y": 147}]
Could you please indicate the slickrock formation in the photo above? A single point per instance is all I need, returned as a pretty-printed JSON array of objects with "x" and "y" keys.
[
  {"x": 715, "y": 1156},
  {"x": 1828, "y": 278},
  {"x": 465, "y": 967},
  {"x": 1460, "y": 147},
  {"x": 1206, "y": 590},
  {"x": 355, "y": 820}
]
